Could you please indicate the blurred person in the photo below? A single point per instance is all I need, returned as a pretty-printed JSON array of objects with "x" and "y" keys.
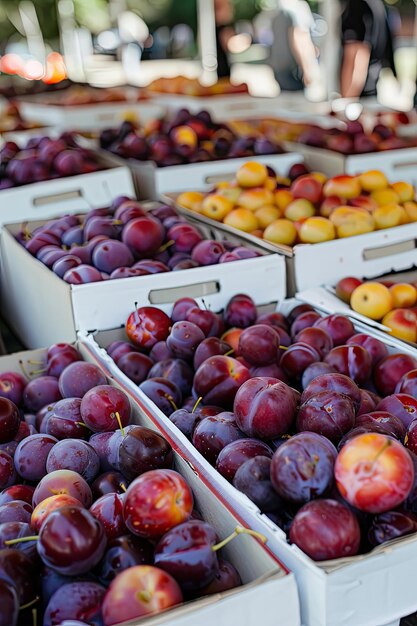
[
  {"x": 293, "y": 55},
  {"x": 367, "y": 47},
  {"x": 224, "y": 16}
]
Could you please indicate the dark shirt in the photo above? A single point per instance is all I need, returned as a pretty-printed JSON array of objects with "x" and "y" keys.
[
  {"x": 223, "y": 66},
  {"x": 367, "y": 21}
]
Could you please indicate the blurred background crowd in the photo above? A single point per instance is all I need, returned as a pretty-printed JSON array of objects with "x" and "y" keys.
[{"x": 324, "y": 47}]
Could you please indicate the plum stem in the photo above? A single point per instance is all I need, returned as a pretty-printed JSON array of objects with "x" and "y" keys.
[
  {"x": 119, "y": 421},
  {"x": 171, "y": 401},
  {"x": 283, "y": 347},
  {"x": 36, "y": 372},
  {"x": 35, "y": 362},
  {"x": 239, "y": 530},
  {"x": 123, "y": 487},
  {"x": 166, "y": 245},
  {"x": 229, "y": 352},
  {"x": 28, "y": 604},
  {"x": 24, "y": 370},
  {"x": 12, "y": 542},
  {"x": 383, "y": 448},
  {"x": 196, "y": 404},
  {"x": 144, "y": 595},
  {"x": 34, "y": 617},
  {"x": 81, "y": 424}
]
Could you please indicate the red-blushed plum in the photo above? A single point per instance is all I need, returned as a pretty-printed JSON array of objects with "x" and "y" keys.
[
  {"x": 327, "y": 413},
  {"x": 264, "y": 408},
  {"x": 157, "y": 501},
  {"x": 391, "y": 423},
  {"x": 259, "y": 344},
  {"x": 139, "y": 591},
  {"x": 391, "y": 525},
  {"x": 318, "y": 338},
  {"x": 297, "y": 358},
  {"x": 163, "y": 392},
  {"x": 237, "y": 452},
  {"x": 109, "y": 511},
  {"x": 253, "y": 478},
  {"x": 31, "y": 456},
  {"x": 408, "y": 384},
  {"x": 339, "y": 327},
  {"x": 45, "y": 508},
  {"x": 142, "y": 450},
  {"x": 374, "y": 473},
  {"x": 302, "y": 467},
  {"x": 212, "y": 434},
  {"x": 105, "y": 408},
  {"x": 218, "y": 379},
  {"x": 375, "y": 348},
  {"x": 17, "y": 492},
  {"x": 333, "y": 382},
  {"x": 63, "y": 482},
  {"x": 12, "y": 386},
  {"x": 146, "y": 326},
  {"x": 143, "y": 235},
  {"x": 79, "y": 600},
  {"x": 240, "y": 311},
  {"x": 123, "y": 552},
  {"x": 210, "y": 323},
  {"x": 353, "y": 361},
  {"x": 78, "y": 378},
  {"x": 389, "y": 371},
  {"x": 401, "y": 405},
  {"x": 326, "y": 529}
]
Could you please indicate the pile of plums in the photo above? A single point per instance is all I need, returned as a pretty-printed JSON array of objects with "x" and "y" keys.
[
  {"x": 124, "y": 240},
  {"x": 316, "y": 423},
  {"x": 95, "y": 525},
  {"x": 183, "y": 138},
  {"x": 44, "y": 158}
]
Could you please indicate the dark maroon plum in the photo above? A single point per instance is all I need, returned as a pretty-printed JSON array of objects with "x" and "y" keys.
[
  {"x": 41, "y": 391},
  {"x": 184, "y": 339},
  {"x": 240, "y": 311},
  {"x": 339, "y": 327},
  {"x": 185, "y": 420},
  {"x": 100, "y": 443},
  {"x": 143, "y": 235},
  {"x": 401, "y": 405},
  {"x": 9, "y": 603},
  {"x": 374, "y": 347},
  {"x": 105, "y": 226},
  {"x": 391, "y": 525},
  {"x": 253, "y": 478},
  {"x": 117, "y": 349},
  {"x": 212, "y": 434},
  {"x": 17, "y": 530},
  {"x": 64, "y": 420},
  {"x": 210, "y": 323},
  {"x": 391, "y": 423},
  {"x": 269, "y": 371},
  {"x": 361, "y": 430},
  {"x": 302, "y": 467},
  {"x": 327, "y": 413},
  {"x": 408, "y": 384},
  {"x": 181, "y": 308},
  {"x": 211, "y": 346},
  {"x": 78, "y": 378},
  {"x": 389, "y": 371},
  {"x": 135, "y": 365},
  {"x": 7, "y": 470},
  {"x": 18, "y": 570},
  {"x": 80, "y": 600},
  {"x": 303, "y": 321},
  {"x": 142, "y": 450},
  {"x": 297, "y": 358},
  {"x": 314, "y": 370},
  {"x": 105, "y": 408},
  {"x": 353, "y": 361},
  {"x": 177, "y": 371},
  {"x": 164, "y": 393},
  {"x": 109, "y": 482},
  {"x": 185, "y": 236},
  {"x": 259, "y": 344},
  {"x": 108, "y": 509},
  {"x": 9, "y": 420},
  {"x": 338, "y": 537},
  {"x": 333, "y": 382},
  {"x": 367, "y": 403},
  {"x": 160, "y": 352},
  {"x": 123, "y": 552},
  {"x": 237, "y": 452},
  {"x": 31, "y": 455}
]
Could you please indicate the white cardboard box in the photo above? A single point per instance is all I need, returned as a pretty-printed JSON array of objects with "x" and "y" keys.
[
  {"x": 308, "y": 265},
  {"x": 374, "y": 589},
  {"x": 152, "y": 181},
  {"x": 88, "y": 116},
  {"x": 42, "y": 308},
  {"x": 397, "y": 165},
  {"x": 269, "y": 589},
  {"x": 71, "y": 194}
]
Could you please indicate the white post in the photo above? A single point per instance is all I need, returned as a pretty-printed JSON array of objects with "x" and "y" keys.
[
  {"x": 331, "y": 50},
  {"x": 207, "y": 40}
]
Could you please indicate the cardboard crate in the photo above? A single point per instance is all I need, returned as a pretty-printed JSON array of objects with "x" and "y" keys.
[
  {"x": 369, "y": 255},
  {"x": 398, "y": 164},
  {"x": 88, "y": 117},
  {"x": 268, "y": 588},
  {"x": 374, "y": 589},
  {"x": 71, "y": 194},
  {"x": 42, "y": 308},
  {"x": 151, "y": 181}
]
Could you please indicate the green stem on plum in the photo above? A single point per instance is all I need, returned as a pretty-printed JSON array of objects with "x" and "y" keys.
[
  {"x": 119, "y": 421},
  {"x": 283, "y": 347},
  {"x": 117, "y": 222},
  {"x": 12, "y": 542},
  {"x": 166, "y": 245},
  {"x": 26, "y": 232},
  {"x": 122, "y": 487},
  {"x": 24, "y": 370},
  {"x": 36, "y": 372},
  {"x": 239, "y": 530},
  {"x": 384, "y": 447},
  {"x": 28, "y": 604},
  {"x": 35, "y": 362},
  {"x": 34, "y": 617},
  {"x": 229, "y": 352},
  {"x": 82, "y": 424},
  {"x": 171, "y": 401},
  {"x": 144, "y": 595},
  {"x": 196, "y": 404}
]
